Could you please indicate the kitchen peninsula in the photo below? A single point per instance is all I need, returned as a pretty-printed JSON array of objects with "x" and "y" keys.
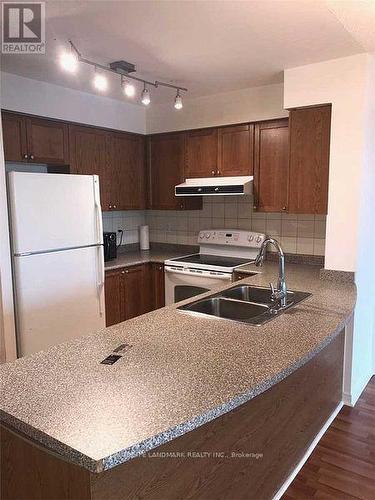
[{"x": 195, "y": 407}]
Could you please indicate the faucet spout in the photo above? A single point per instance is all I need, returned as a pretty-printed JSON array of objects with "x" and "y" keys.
[{"x": 279, "y": 295}]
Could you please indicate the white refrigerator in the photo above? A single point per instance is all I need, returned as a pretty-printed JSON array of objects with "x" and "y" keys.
[{"x": 58, "y": 264}]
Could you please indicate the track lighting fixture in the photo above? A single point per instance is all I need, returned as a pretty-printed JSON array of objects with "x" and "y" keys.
[
  {"x": 178, "y": 100},
  {"x": 129, "y": 89},
  {"x": 146, "y": 98},
  {"x": 100, "y": 81},
  {"x": 69, "y": 61}
]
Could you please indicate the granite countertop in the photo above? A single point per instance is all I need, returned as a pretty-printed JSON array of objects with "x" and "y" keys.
[
  {"x": 181, "y": 372},
  {"x": 130, "y": 255}
]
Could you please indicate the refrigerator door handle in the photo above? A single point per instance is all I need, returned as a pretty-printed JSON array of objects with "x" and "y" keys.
[
  {"x": 98, "y": 210},
  {"x": 99, "y": 252},
  {"x": 101, "y": 276}
]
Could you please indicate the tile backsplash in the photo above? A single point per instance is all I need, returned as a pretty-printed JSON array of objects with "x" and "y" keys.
[
  {"x": 298, "y": 234},
  {"x": 127, "y": 221}
]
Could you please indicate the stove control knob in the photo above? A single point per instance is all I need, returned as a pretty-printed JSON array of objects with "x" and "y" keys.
[
  {"x": 250, "y": 237},
  {"x": 208, "y": 235},
  {"x": 259, "y": 239}
]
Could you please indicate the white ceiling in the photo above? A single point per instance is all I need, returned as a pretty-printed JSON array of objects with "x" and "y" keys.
[{"x": 207, "y": 46}]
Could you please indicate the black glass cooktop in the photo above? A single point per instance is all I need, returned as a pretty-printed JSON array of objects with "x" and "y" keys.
[{"x": 212, "y": 260}]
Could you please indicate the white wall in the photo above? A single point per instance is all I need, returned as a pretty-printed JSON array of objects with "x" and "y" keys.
[
  {"x": 45, "y": 99},
  {"x": 342, "y": 83},
  {"x": 363, "y": 361},
  {"x": 252, "y": 104},
  {"x": 348, "y": 83}
]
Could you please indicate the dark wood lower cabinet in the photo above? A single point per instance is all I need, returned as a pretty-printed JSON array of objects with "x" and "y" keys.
[
  {"x": 113, "y": 310},
  {"x": 135, "y": 291},
  {"x": 158, "y": 285},
  {"x": 132, "y": 291}
]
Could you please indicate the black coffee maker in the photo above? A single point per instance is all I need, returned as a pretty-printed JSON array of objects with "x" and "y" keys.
[{"x": 110, "y": 246}]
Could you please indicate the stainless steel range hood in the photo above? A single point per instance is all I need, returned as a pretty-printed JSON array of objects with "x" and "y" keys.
[{"x": 213, "y": 186}]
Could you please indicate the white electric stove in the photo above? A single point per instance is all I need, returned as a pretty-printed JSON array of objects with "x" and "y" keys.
[{"x": 221, "y": 252}]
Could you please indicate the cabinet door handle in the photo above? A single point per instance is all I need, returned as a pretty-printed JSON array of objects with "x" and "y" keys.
[
  {"x": 284, "y": 208},
  {"x": 213, "y": 172},
  {"x": 218, "y": 172},
  {"x": 110, "y": 206},
  {"x": 31, "y": 157},
  {"x": 25, "y": 156},
  {"x": 114, "y": 206}
]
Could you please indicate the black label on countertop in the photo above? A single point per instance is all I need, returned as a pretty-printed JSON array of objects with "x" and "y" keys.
[{"x": 109, "y": 360}]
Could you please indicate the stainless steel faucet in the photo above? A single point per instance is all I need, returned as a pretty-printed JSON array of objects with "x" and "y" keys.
[{"x": 279, "y": 295}]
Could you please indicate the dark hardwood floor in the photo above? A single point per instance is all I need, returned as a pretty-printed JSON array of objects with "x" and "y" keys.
[{"x": 342, "y": 466}]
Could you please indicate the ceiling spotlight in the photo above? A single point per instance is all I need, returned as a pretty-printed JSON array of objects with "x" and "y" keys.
[
  {"x": 146, "y": 99},
  {"x": 178, "y": 100},
  {"x": 100, "y": 82},
  {"x": 69, "y": 61},
  {"x": 129, "y": 89}
]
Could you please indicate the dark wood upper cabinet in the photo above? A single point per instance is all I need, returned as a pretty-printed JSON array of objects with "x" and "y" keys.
[
  {"x": 126, "y": 171},
  {"x": 118, "y": 158},
  {"x": 35, "y": 140},
  {"x": 290, "y": 163},
  {"x": 201, "y": 153},
  {"x": 271, "y": 166},
  {"x": 225, "y": 151},
  {"x": 90, "y": 151},
  {"x": 14, "y": 137},
  {"x": 236, "y": 150},
  {"x": 309, "y": 159},
  {"x": 166, "y": 154},
  {"x": 47, "y": 141}
]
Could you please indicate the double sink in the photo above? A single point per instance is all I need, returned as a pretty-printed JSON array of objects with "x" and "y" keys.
[{"x": 244, "y": 303}]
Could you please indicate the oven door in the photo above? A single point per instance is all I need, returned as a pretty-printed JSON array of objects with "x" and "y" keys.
[{"x": 183, "y": 283}]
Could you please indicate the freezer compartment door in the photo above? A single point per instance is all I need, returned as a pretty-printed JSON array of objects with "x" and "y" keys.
[
  {"x": 59, "y": 296},
  {"x": 53, "y": 211}
]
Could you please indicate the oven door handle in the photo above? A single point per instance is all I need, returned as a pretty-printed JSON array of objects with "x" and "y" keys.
[{"x": 205, "y": 274}]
